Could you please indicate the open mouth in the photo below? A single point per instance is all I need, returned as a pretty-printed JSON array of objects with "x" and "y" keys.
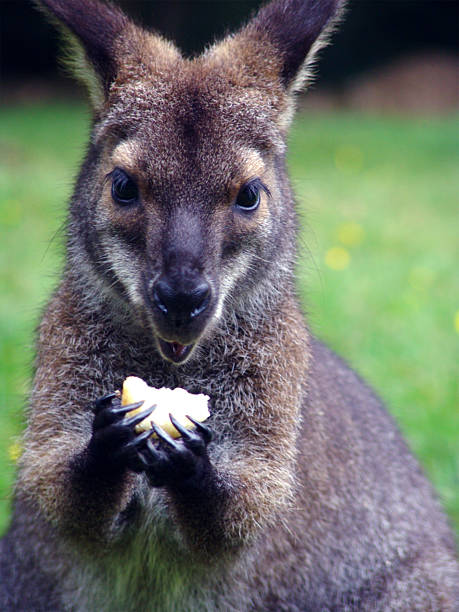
[{"x": 174, "y": 351}]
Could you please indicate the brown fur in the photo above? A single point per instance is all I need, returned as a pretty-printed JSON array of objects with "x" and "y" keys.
[{"x": 314, "y": 502}]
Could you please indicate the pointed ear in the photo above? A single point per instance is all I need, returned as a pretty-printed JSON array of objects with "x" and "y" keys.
[
  {"x": 279, "y": 45},
  {"x": 297, "y": 29},
  {"x": 90, "y": 29}
]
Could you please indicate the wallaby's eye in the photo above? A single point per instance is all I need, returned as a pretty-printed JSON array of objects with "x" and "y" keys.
[
  {"x": 248, "y": 197},
  {"x": 124, "y": 189}
]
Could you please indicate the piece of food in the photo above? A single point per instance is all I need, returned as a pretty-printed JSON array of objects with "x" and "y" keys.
[{"x": 177, "y": 402}]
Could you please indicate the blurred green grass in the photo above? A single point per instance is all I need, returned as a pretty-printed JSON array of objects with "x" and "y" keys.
[{"x": 377, "y": 272}]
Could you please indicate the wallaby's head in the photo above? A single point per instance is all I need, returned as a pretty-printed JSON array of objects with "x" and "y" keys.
[{"x": 182, "y": 207}]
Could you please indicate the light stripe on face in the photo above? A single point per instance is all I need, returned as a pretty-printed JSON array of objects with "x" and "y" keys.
[{"x": 123, "y": 265}]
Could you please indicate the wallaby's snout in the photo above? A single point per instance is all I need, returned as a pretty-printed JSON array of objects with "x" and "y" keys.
[
  {"x": 181, "y": 305},
  {"x": 182, "y": 295}
]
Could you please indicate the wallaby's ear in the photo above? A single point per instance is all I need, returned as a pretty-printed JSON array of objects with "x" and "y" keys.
[
  {"x": 105, "y": 45},
  {"x": 91, "y": 28},
  {"x": 275, "y": 50},
  {"x": 297, "y": 29}
]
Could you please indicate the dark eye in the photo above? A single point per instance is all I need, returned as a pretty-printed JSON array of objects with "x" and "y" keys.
[
  {"x": 124, "y": 189},
  {"x": 248, "y": 197}
]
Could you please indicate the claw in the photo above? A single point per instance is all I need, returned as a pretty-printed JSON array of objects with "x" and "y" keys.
[
  {"x": 99, "y": 403},
  {"x": 139, "y": 440},
  {"x": 179, "y": 427},
  {"x": 203, "y": 429},
  {"x": 139, "y": 417},
  {"x": 191, "y": 439},
  {"x": 164, "y": 436},
  {"x": 131, "y": 455},
  {"x": 121, "y": 410},
  {"x": 129, "y": 407},
  {"x": 112, "y": 415},
  {"x": 155, "y": 464},
  {"x": 143, "y": 461},
  {"x": 152, "y": 450}
]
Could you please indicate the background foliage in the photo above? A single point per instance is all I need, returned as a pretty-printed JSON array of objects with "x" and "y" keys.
[{"x": 373, "y": 32}]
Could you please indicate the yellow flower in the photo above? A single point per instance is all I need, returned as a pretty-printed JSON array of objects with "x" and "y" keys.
[
  {"x": 350, "y": 234},
  {"x": 337, "y": 258},
  {"x": 14, "y": 451},
  {"x": 456, "y": 321}
]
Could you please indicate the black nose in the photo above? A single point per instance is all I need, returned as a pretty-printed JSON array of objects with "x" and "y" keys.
[{"x": 181, "y": 306}]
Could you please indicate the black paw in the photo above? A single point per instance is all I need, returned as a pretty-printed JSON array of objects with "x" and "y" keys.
[
  {"x": 171, "y": 462},
  {"x": 114, "y": 442}
]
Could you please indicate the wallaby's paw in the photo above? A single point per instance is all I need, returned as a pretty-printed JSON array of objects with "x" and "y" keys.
[
  {"x": 114, "y": 440},
  {"x": 173, "y": 461}
]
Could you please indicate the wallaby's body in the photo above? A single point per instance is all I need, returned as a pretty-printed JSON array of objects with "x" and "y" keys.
[{"x": 181, "y": 249}]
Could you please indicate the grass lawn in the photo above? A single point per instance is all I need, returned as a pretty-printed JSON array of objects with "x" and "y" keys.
[{"x": 378, "y": 200}]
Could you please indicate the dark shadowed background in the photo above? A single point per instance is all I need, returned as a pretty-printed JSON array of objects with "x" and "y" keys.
[{"x": 381, "y": 44}]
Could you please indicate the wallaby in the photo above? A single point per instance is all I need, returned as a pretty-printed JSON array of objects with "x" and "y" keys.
[{"x": 298, "y": 493}]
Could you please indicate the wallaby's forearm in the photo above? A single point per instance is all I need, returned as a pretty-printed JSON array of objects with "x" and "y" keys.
[
  {"x": 84, "y": 493},
  {"x": 85, "y": 498}
]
